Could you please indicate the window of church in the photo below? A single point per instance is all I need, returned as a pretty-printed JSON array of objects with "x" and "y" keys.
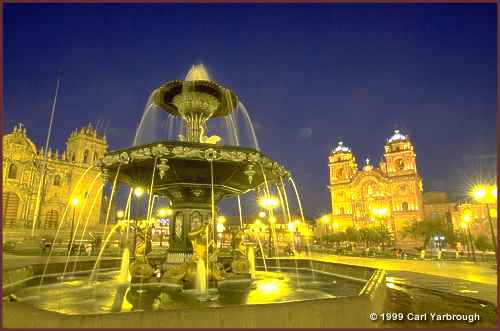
[
  {"x": 404, "y": 206},
  {"x": 12, "y": 173},
  {"x": 86, "y": 156},
  {"x": 400, "y": 164},
  {"x": 57, "y": 180}
]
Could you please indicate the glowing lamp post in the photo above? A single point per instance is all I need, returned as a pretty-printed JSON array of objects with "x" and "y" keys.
[
  {"x": 467, "y": 218},
  {"x": 487, "y": 195},
  {"x": 269, "y": 202},
  {"x": 74, "y": 202},
  {"x": 138, "y": 192}
]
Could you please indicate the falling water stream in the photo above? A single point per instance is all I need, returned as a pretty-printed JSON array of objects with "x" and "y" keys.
[{"x": 77, "y": 186}]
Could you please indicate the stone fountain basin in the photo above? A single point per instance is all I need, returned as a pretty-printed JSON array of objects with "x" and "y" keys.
[
  {"x": 188, "y": 175},
  {"x": 344, "y": 311}
]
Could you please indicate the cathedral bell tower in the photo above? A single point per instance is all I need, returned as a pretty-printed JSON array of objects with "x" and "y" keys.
[
  {"x": 399, "y": 155},
  {"x": 405, "y": 182},
  {"x": 85, "y": 145},
  {"x": 342, "y": 164},
  {"x": 343, "y": 168}
]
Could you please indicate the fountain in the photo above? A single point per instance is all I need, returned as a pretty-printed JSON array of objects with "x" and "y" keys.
[{"x": 195, "y": 173}]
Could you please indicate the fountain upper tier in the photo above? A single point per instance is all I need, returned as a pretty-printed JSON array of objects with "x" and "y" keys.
[
  {"x": 178, "y": 95},
  {"x": 195, "y": 101},
  {"x": 183, "y": 169}
]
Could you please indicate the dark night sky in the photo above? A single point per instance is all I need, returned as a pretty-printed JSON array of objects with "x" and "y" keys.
[{"x": 307, "y": 74}]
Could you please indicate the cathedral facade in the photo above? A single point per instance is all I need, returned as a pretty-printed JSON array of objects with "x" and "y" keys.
[
  {"x": 41, "y": 187},
  {"x": 389, "y": 195}
]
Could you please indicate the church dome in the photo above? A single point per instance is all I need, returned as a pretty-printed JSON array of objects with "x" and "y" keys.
[
  {"x": 397, "y": 136},
  {"x": 341, "y": 148}
]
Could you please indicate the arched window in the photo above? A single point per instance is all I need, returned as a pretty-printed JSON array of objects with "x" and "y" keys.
[
  {"x": 68, "y": 178},
  {"x": 12, "y": 173},
  {"x": 73, "y": 157},
  {"x": 404, "y": 206},
  {"x": 86, "y": 156},
  {"x": 341, "y": 210},
  {"x": 400, "y": 164},
  {"x": 96, "y": 156}
]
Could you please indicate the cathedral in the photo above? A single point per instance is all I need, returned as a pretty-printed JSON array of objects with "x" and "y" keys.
[
  {"x": 39, "y": 185},
  {"x": 389, "y": 195}
]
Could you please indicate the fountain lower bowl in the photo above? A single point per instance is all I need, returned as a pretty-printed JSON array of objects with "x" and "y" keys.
[{"x": 290, "y": 294}]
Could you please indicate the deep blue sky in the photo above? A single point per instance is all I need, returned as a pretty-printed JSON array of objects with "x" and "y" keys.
[{"x": 307, "y": 74}]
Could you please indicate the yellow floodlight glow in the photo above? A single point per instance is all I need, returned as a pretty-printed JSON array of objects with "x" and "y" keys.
[
  {"x": 463, "y": 225},
  {"x": 262, "y": 214},
  {"x": 479, "y": 192},
  {"x": 291, "y": 227},
  {"x": 221, "y": 219},
  {"x": 268, "y": 202},
  {"x": 484, "y": 193},
  {"x": 138, "y": 191},
  {"x": 325, "y": 219},
  {"x": 162, "y": 212},
  {"x": 220, "y": 227},
  {"x": 120, "y": 214},
  {"x": 75, "y": 201},
  {"x": 467, "y": 218},
  {"x": 272, "y": 219}
]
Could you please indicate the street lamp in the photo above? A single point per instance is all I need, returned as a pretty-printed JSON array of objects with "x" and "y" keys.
[
  {"x": 467, "y": 219},
  {"x": 138, "y": 192},
  {"x": 268, "y": 202},
  {"x": 74, "y": 202},
  {"x": 325, "y": 219},
  {"x": 485, "y": 194}
]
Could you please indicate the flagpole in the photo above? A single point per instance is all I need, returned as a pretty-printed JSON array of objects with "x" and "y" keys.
[{"x": 36, "y": 215}]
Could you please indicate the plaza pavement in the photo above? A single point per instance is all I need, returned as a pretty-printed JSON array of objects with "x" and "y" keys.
[{"x": 472, "y": 279}]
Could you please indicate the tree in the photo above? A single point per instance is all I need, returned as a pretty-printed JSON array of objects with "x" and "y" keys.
[
  {"x": 482, "y": 243},
  {"x": 425, "y": 229},
  {"x": 351, "y": 235}
]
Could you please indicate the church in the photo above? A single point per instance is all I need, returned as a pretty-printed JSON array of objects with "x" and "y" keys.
[
  {"x": 39, "y": 185},
  {"x": 389, "y": 194}
]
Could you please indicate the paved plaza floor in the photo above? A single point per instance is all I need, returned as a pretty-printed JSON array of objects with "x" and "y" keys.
[{"x": 477, "y": 280}]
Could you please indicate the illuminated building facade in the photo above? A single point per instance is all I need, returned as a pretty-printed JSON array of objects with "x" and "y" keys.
[
  {"x": 389, "y": 195},
  {"x": 38, "y": 185}
]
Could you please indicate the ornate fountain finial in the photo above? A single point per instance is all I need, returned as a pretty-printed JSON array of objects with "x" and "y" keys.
[
  {"x": 163, "y": 167},
  {"x": 250, "y": 172}
]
